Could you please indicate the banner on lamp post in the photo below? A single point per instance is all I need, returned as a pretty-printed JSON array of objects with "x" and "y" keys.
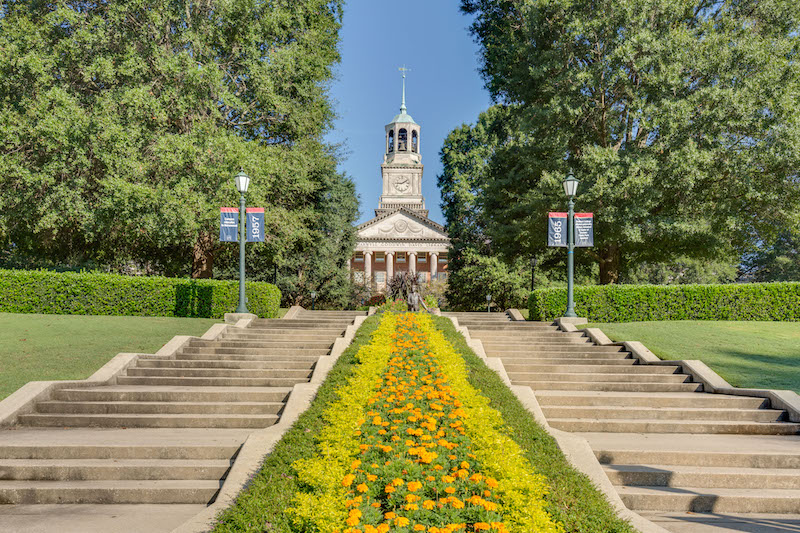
[
  {"x": 584, "y": 230},
  {"x": 228, "y": 224},
  {"x": 255, "y": 224},
  {"x": 556, "y": 229}
]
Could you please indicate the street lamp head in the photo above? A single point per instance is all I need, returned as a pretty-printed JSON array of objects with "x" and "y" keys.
[
  {"x": 570, "y": 185},
  {"x": 488, "y": 297},
  {"x": 313, "y": 295},
  {"x": 242, "y": 182}
]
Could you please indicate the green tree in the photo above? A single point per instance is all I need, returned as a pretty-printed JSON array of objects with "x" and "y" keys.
[
  {"x": 778, "y": 261},
  {"x": 122, "y": 124},
  {"x": 679, "y": 117}
]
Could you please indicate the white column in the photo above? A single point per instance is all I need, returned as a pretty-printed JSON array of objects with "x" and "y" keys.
[
  {"x": 433, "y": 257},
  {"x": 368, "y": 268},
  {"x": 412, "y": 262},
  {"x": 389, "y": 266}
]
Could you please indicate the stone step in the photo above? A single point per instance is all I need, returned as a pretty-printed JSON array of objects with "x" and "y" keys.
[
  {"x": 702, "y": 500},
  {"x": 700, "y": 458},
  {"x": 118, "y": 452},
  {"x": 534, "y": 340},
  {"x": 104, "y": 469},
  {"x": 257, "y": 351},
  {"x": 587, "y": 353},
  {"x": 510, "y": 327},
  {"x": 241, "y": 408},
  {"x": 556, "y": 398},
  {"x": 703, "y": 476},
  {"x": 514, "y": 356},
  {"x": 220, "y": 373},
  {"x": 108, "y": 491},
  {"x": 551, "y": 348},
  {"x": 629, "y": 376},
  {"x": 234, "y": 357},
  {"x": 223, "y": 363},
  {"x": 520, "y": 364},
  {"x": 664, "y": 413},
  {"x": 170, "y": 394},
  {"x": 270, "y": 333},
  {"x": 149, "y": 421},
  {"x": 263, "y": 345},
  {"x": 256, "y": 341},
  {"x": 610, "y": 386},
  {"x": 184, "y": 381},
  {"x": 580, "y": 367},
  {"x": 674, "y": 426},
  {"x": 310, "y": 324}
]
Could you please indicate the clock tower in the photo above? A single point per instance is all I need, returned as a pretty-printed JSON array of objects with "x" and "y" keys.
[
  {"x": 401, "y": 169},
  {"x": 401, "y": 237}
]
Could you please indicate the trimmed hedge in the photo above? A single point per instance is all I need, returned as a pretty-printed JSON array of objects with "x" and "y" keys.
[
  {"x": 91, "y": 293},
  {"x": 635, "y": 303}
]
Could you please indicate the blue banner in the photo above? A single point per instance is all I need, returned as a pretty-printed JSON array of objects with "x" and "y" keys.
[
  {"x": 255, "y": 224},
  {"x": 228, "y": 224},
  {"x": 584, "y": 230},
  {"x": 556, "y": 229}
]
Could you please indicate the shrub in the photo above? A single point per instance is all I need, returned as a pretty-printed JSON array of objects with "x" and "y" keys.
[
  {"x": 91, "y": 293},
  {"x": 630, "y": 303}
]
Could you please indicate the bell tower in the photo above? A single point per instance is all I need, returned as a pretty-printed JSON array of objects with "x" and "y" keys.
[{"x": 401, "y": 169}]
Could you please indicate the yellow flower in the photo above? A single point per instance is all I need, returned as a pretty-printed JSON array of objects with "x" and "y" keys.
[
  {"x": 402, "y": 521},
  {"x": 414, "y": 486},
  {"x": 389, "y": 515},
  {"x": 362, "y": 487},
  {"x": 348, "y": 480}
]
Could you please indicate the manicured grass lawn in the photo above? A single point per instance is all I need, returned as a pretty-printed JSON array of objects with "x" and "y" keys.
[
  {"x": 746, "y": 354},
  {"x": 50, "y": 347}
]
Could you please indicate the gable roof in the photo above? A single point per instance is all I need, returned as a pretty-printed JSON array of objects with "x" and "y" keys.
[
  {"x": 402, "y": 224},
  {"x": 406, "y": 211}
]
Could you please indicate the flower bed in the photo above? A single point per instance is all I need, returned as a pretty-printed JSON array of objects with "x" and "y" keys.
[{"x": 411, "y": 446}]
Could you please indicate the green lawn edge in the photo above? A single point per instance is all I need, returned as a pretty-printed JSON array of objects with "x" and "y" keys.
[
  {"x": 259, "y": 507},
  {"x": 573, "y": 500}
]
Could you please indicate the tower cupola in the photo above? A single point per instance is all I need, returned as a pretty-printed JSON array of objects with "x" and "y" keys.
[{"x": 403, "y": 135}]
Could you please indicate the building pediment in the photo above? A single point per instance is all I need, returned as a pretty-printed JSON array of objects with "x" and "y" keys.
[{"x": 401, "y": 224}]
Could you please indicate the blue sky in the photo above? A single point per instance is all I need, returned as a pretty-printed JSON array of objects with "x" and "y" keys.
[{"x": 443, "y": 88}]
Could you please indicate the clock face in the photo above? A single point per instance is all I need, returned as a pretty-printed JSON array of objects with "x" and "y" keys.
[{"x": 402, "y": 184}]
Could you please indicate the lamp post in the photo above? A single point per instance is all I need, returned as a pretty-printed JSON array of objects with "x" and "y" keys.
[
  {"x": 488, "y": 303},
  {"x": 570, "y": 189},
  {"x": 313, "y": 299},
  {"x": 242, "y": 183}
]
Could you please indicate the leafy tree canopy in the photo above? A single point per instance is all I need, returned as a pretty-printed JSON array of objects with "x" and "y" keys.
[
  {"x": 679, "y": 117},
  {"x": 122, "y": 124}
]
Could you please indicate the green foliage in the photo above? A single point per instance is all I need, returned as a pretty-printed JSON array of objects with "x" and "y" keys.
[
  {"x": 778, "y": 261},
  {"x": 480, "y": 275},
  {"x": 680, "y": 119},
  {"x": 123, "y": 123},
  {"x": 683, "y": 270},
  {"x": 90, "y": 293},
  {"x": 630, "y": 303}
]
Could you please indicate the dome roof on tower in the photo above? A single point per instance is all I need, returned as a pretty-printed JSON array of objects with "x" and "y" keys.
[{"x": 403, "y": 117}]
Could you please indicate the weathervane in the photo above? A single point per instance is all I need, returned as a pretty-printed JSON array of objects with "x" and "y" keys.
[{"x": 403, "y": 69}]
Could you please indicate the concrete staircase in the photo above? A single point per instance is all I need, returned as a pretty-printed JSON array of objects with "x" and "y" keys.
[
  {"x": 168, "y": 430},
  {"x": 665, "y": 444}
]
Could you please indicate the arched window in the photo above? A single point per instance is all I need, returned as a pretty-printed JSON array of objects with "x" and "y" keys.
[
  {"x": 402, "y": 140},
  {"x": 391, "y": 140},
  {"x": 414, "y": 141}
]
